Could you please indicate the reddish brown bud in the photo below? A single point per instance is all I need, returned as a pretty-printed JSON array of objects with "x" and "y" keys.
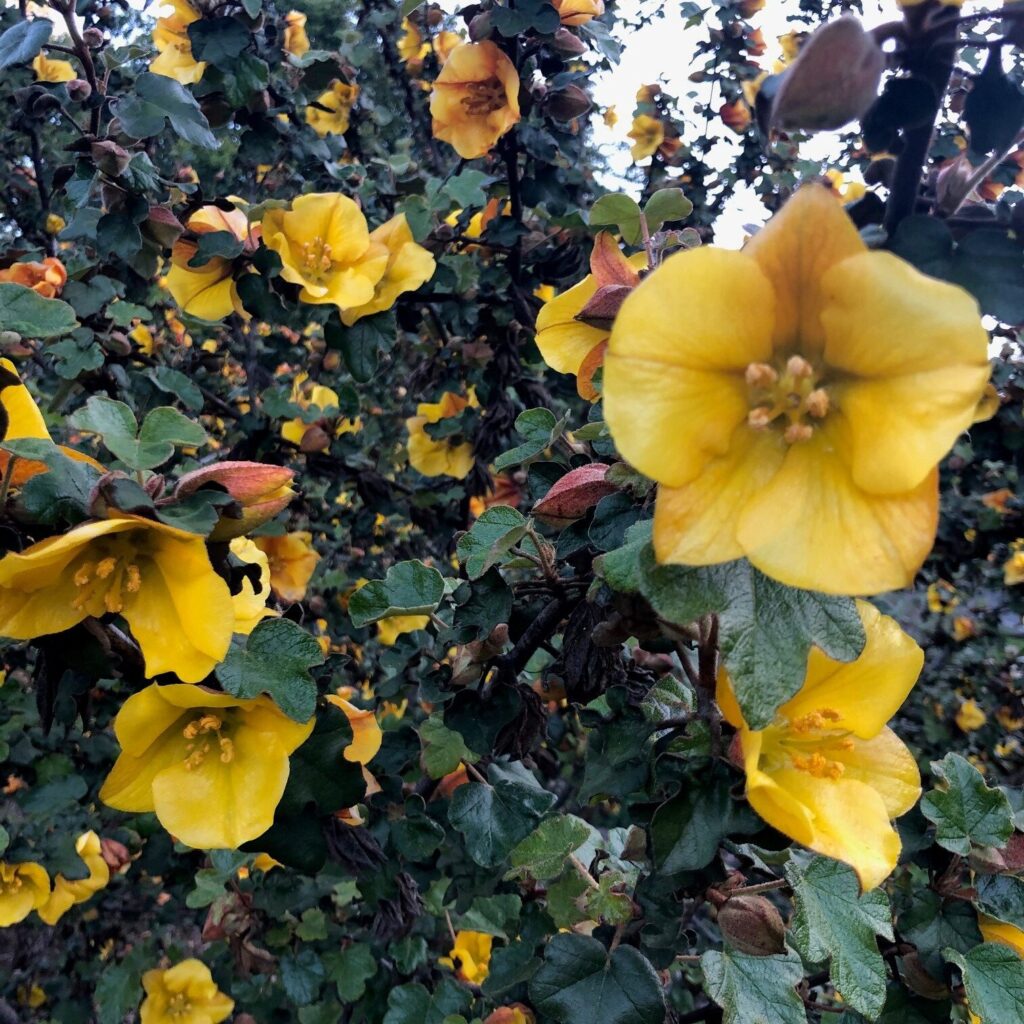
[
  {"x": 565, "y": 104},
  {"x": 604, "y": 306},
  {"x": 315, "y": 439},
  {"x": 79, "y": 90},
  {"x": 987, "y": 860},
  {"x": 109, "y": 157},
  {"x": 162, "y": 226},
  {"x": 568, "y": 42},
  {"x": 114, "y": 854},
  {"x": 481, "y": 26},
  {"x": 568, "y": 500},
  {"x": 751, "y": 924},
  {"x": 93, "y": 38}
]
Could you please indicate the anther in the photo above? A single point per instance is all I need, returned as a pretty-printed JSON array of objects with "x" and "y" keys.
[
  {"x": 761, "y": 375},
  {"x": 760, "y": 418},
  {"x": 105, "y": 567},
  {"x": 797, "y": 366},
  {"x": 817, "y": 403},
  {"x": 796, "y": 432}
]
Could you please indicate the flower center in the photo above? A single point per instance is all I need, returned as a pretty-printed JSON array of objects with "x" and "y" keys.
[
  {"x": 202, "y": 733},
  {"x": 812, "y": 742},
  {"x": 484, "y": 97},
  {"x": 316, "y": 258},
  {"x": 792, "y": 396},
  {"x": 111, "y": 576},
  {"x": 178, "y": 1005},
  {"x": 10, "y": 881}
]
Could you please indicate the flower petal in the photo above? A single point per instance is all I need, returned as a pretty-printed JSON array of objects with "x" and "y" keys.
[{"x": 886, "y": 765}]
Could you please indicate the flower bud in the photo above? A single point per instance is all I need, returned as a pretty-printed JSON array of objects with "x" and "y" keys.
[
  {"x": 162, "y": 226},
  {"x": 261, "y": 490},
  {"x": 568, "y": 42},
  {"x": 109, "y": 157},
  {"x": 481, "y": 26},
  {"x": 117, "y": 344},
  {"x": 987, "y": 860},
  {"x": 752, "y": 925},
  {"x": 93, "y": 38},
  {"x": 315, "y": 439},
  {"x": 115, "y": 854},
  {"x": 604, "y": 305},
  {"x": 79, "y": 90},
  {"x": 565, "y": 104},
  {"x": 44, "y": 103},
  {"x": 570, "y": 498}
]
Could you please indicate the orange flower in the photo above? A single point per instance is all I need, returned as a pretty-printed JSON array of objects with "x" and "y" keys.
[
  {"x": 578, "y": 12},
  {"x": 46, "y": 278}
]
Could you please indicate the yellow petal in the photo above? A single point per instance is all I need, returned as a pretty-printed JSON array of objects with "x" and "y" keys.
[
  {"x": 366, "y": 733},
  {"x": 207, "y": 292},
  {"x": 886, "y": 765},
  {"x": 993, "y": 930}
]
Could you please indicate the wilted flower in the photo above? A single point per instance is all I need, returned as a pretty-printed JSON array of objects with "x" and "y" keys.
[
  {"x": 171, "y": 39},
  {"x": 183, "y": 994}
]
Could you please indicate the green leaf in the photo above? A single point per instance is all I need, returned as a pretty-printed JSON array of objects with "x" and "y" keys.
[
  {"x": 994, "y": 979},
  {"x": 275, "y": 658},
  {"x": 666, "y": 204},
  {"x": 754, "y": 989},
  {"x": 443, "y": 749},
  {"x": 118, "y": 234},
  {"x": 409, "y": 588},
  {"x": 119, "y": 985},
  {"x": 23, "y": 41},
  {"x": 27, "y": 313},
  {"x": 492, "y": 915},
  {"x": 833, "y": 920},
  {"x": 301, "y": 976},
  {"x": 580, "y": 983},
  {"x": 408, "y": 6},
  {"x": 158, "y": 99},
  {"x": 964, "y": 809},
  {"x": 540, "y": 430},
  {"x": 493, "y": 818},
  {"x": 215, "y": 243},
  {"x": 932, "y": 924},
  {"x": 361, "y": 344},
  {"x": 414, "y": 1004},
  {"x": 350, "y": 969},
  {"x": 468, "y": 188},
  {"x": 542, "y": 854},
  {"x": 220, "y": 40},
  {"x": 489, "y": 539},
  {"x": 1001, "y": 897},
  {"x": 618, "y": 211},
  {"x": 610, "y": 902},
  {"x": 60, "y": 496}
]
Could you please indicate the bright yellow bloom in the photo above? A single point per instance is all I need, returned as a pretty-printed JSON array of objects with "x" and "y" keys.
[
  {"x": 828, "y": 772},
  {"x": 647, "y": 133},
  {"x": 444, "y": 43},
  {"x": 366, "y": 734},
  {"x": 339, "y": 99},
  {"x": 412, "y": 49},
  {"x": 325, "y": 246},
  {"x": 250, "y": 603},
  {"x": 208, "y": 292},
  {"x": 158, "y": 577},
  {"x": 475, "y": 99},
  {"x": 55, "y": 224},
  {"x": 296, "y": 42},
  {"x": 808, "y": 387},
  {"x": 306, "y": 394},
  {"x": 183, "y": 994},
  {"x": 390, "y": 629},
  {"x": 409, "y": 266},
  {"x": 67, "y": 893},
  {"x": 578, "y": 12},
  {"x": 23, "y": 888},
  {"x": 993, "y": 930},
  {"x": 970, "y": 717},
  {"x": 845, "y": 189},
  {"x": 48, "y": 70},
  {"x": 439, "y": 457},
  {"x": 213, "y": 767},
  {"x": 171, "y": 39},
  {"x": 292, "y": 561},
  {"x": 1013, "y": 569},
  {"x": 470, "y": 958}
]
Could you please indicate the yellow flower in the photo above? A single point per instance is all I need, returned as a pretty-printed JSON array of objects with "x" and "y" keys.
[
  {"x": 325, "y": 246},
  {"x": 409, "y": 265},
  {"x": 144, "y": 338},
  {"x": 963, "y": 628},
  {"x": 339, "y": 99},
  {"x": 390, "y": 629},
  {"x": 578, "y": 12},
  {"x": 171, "y": 39},
  {"x": 53, "y": 70},
  {"x": 213, "y": 767},
  {"x": 828, "y": 772},
  {"x": 474, "y": 101},
  {"x": 208, "y": 292},
  {"x": 444, "y": 43},
  {"x": 292, "y": 561},
  {"x": 366, "y": 734},
  {"x": 1008, "y": 720},
  {"x": 250, "y": 603},
  {"x": 970, "y": 717},
  {"x": 647, "y": 93},
  {"x": 514, "y": 1014},
  {"x": 158, "y": 577},
  {"x": 993, "y": 930},
  {"x": 183, "y": 994},
  {"x": 647, "y": 133},
  {"x": 610, "y": 117},
  {"x": 55, "y": 224},
  {"x": 411, "y": 48},
  {"x": 793, "y": 399},
  {"x": 846, "y": 190},
  {"x": 32, "y": 996},
  {"x": 305, "y": 395},
  {"x": 296, "y": 42},
  {"x": 1013, "y": 569},
  {"x": 264, "y": 862},
  {"x": 942, "y": 597},
  {"x": 439, "y": 457},
  {"x": 470, "y": 957},
  {"x": 24, "y": 887},
  {"x": 67, "y": 893}
]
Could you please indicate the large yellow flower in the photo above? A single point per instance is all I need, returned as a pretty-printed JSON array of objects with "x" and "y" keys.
[
  {"x": 48, "y": 70},
  {"x": 993, "y": 930},
  {"x": 296, "y": 42},
  {"x": 213, "y": 767},
  {"x": 183, "y": 994},
  {"x": 171, "y": 39},
  {"x": 292, "y": 561},
  {"x": 409, "y": 265},
  {"x": 325, "y": 246},
  {"x": 828, "y": 772},
  {"x": 24, "y": 887},
  {"x": 475, "y": 98},
  {"x": 366, "y": 734},
  {"x": 439, "y": 457},
  {"x": 793, "y": 399},
  {"x": 647, "y": 133},
  {"x": 67, "y": 893},
  {"x": 158, "y": 577},
  {"x": 339, "y": 99},
  {"x": 470, "y": 957}
]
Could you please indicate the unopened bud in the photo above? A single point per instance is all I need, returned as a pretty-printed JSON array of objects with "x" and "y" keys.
[
  {"x": 162, "y": 226},
  {"x": 117, "y": 344},
  {"x": 570, "y": 497},
  {"x": 568, "y": 103},
  {"x": 604, "y": 306},
  {"x": 79, "y": 90},
  {"x": 315, "y": 439},
  {"x": 752, "y": 925},
  {"x": 568, "y": 42},
  {"x": 115, "y": 854},
  {"x": 44, "y": 103},
  {"x": 109, "y": 157},
  {"x": 481, "y": 26},
  {"x": 93, "y": 38}
]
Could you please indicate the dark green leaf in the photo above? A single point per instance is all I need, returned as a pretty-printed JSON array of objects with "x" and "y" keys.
[
  {"x": 542, "y": 854},
  {"x": 540, "y": 430},
  {"x": 994, "y": 979},
  {"x": 219, "y": 41},
  {"x": 755, "y": 989},
  {"x": 361, "y": 344},
  {"x": 157, "y": 99},
  {"x": 27, "y": 313},
  {"x": 409, "y": 588},
  {"x": 964, "y": 809},
  {"x": 23, "y": 41}
]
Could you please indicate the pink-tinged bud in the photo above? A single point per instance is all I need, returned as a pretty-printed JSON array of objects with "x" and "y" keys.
[
  {"x": 579, "y": 490},
  {"x": 987, "y": 860},
  {"x": 114, "y": 854},
  {"x": 568, "y": 42},
  {"x": 1013, "y": 853},
  {"x": 162, "y": 226},
  {"x": 109, "y": 157},
  {"x": 262, "y": 491},
  {"x": 604, "y": 306},
  {"x": 752, "y": 925}
]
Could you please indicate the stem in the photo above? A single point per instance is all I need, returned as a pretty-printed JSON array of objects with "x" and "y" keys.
[
  {"x": 85, "y": 56},
  {"x": 581, "y": 868},
  {"x": 451, "y": 928},
  {"x": 510, "y": 151},
  {"x": 750, "y": 890},
  {"x": 957, "y": 200},
  {"x": 5, "y": 485},
  {"x": 470, "y": 770}
]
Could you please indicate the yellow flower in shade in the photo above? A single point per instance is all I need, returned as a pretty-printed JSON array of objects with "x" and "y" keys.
[
  {"x": 578, "y": 12},
  {"x": 647, "y": 133},
  {"x": 338, "y": 101},
  {"x": 250, "y": 603},
  {"x": 993, "y": 930},
  {"x": 412, "y": 50},
  {"x": 390, "y": 629},
  {"x": 963, "y": 628},
  {"x": 183, "y": 994},
  {"x": 808, "y": 387},
  {"x": 174, "y": 46},
  {"x": 292, "y": 561},
  {"x": 296, "y": 42},
  {"x": 67, "y": 893},
  {"x": 470, "y": 957},
  {"x": 444, "y": 43},
  {"x": 307, "y": 394},
  {"x": 325, "y": 246},
  {"x": 569, "y": 340},
  {"x": 158, "y": 577},
  {"x": 409, "y": 266},
  {"x": 648, "y": 93},
  {"x": 942, "y": 597},
  {"x": 828, "y": 772},
  {"x": 208, "y": 291},
  {"x": 53, "y": 70},
  {"x": 55, "y": 224},
  {"x": 213, "y": 767},
  {"x": 1008, "y": 720},
  {"x": 366, "y": 734},
  {"x": 610, "y": 117},
  {"x": 1013, "y": 569},
  {"x": 970, "y": 717},
  {"x": 23, "y": 888},
  {"x": 475, "y": 98},
  {"x": 439, "y": 457}
]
